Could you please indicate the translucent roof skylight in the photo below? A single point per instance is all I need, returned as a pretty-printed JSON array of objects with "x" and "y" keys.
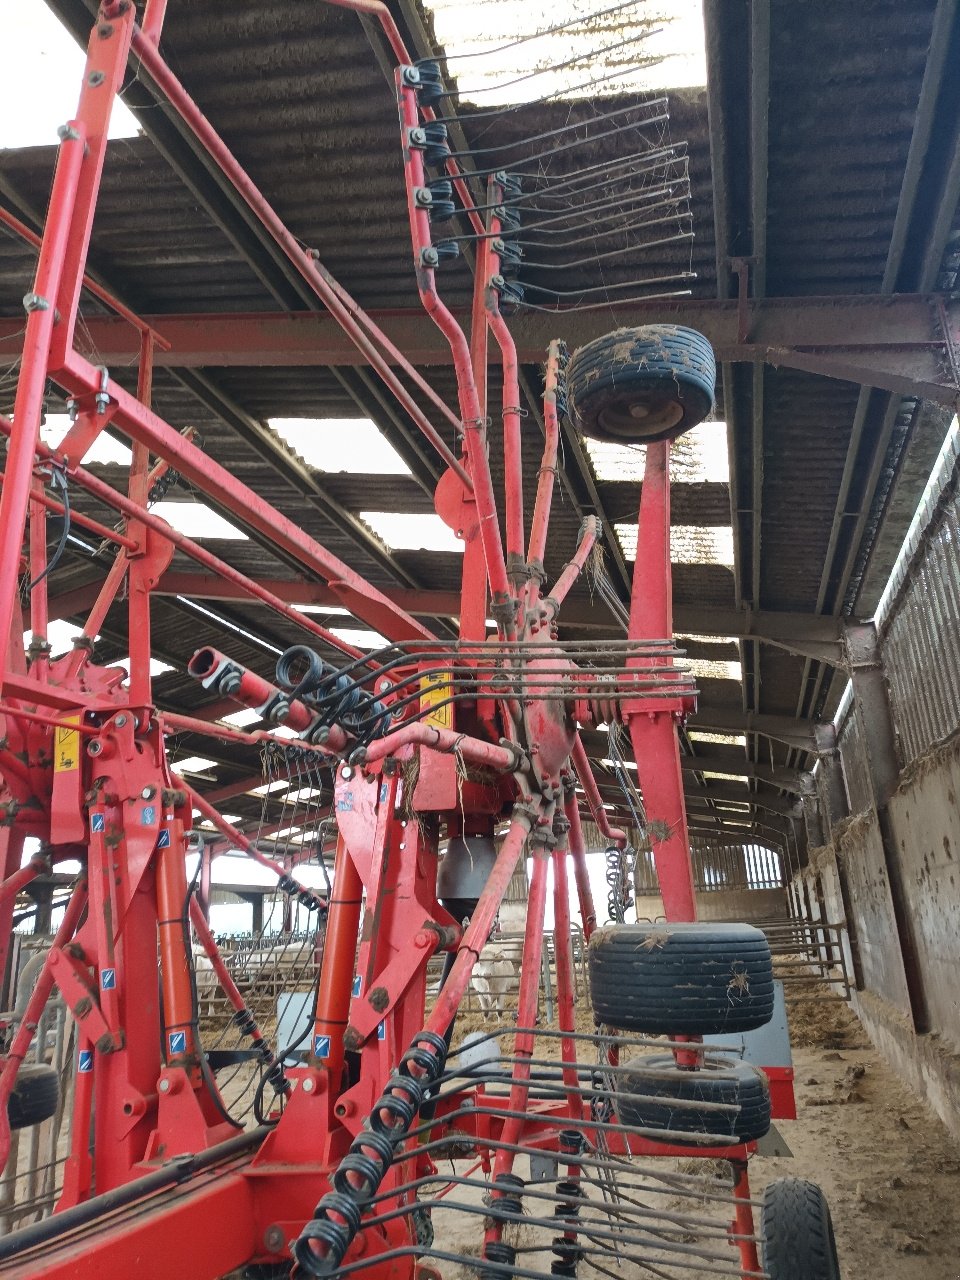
[
  {"x": 698, "y": 456},
  {"x": 641, "y": 46},
  {"x": 689, "y": 544},
  {"x": 104, "y": 449},
  {"x": 341, "y": 444},
  {"x": 157, "y": 668},
  {"x": 40, "y": 85},
  {"x": 278, "y": 785},
  {"x": 197, "y": 520},
  {"x": 712, "y": 669},
  {"x": 408, "y": 531},
  {"x": 242, "y": 718},
  {"x": 192, "y": 764},
  {"x": 331, "y": 610},
  {"x": 724, "y": 739},
  {"x": 359, "y": 638}
]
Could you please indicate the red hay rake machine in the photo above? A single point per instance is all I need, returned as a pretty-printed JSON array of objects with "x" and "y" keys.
[{"x": 382, "y": 1143}]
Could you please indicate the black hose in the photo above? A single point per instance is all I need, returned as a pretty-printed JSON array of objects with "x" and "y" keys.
[{"x": 58, "y": 480}]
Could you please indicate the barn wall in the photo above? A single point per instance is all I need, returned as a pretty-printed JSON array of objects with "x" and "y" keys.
[{"x": 925, "y": 827}]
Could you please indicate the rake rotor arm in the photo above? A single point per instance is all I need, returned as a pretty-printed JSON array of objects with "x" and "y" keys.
[{"x": 581, "y": 764}]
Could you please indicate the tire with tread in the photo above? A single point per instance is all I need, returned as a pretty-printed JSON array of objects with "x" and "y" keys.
[
  {"x": 643, "y": 384},
  {"x": 681, "y": 979},
  {"x": 796, "y": 1232},
  {"x": 35, "y": 1096},
  {"x": 659, "y": 1082}
]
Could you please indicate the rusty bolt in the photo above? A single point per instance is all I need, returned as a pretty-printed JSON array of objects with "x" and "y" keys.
[
  {"x": 273, "y": 1238},
  {"x": 96, "y": 78},
  {"x": 352, "y": 1039},
  {"x": 344, "y": 1109},
  {"x": 105, "y": 30},
  {"x": 379, "y": 998},
  {"x": 105, "y": 1043},
  {"x": 83, "y": 1007}
]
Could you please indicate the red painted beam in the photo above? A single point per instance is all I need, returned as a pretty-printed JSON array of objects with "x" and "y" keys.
[{"x": 907, "y": 325}]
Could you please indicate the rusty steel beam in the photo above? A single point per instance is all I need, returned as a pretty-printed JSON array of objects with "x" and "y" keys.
[
  {"x": 828, "y": 334},
  {"x": 798, "y": 632}
]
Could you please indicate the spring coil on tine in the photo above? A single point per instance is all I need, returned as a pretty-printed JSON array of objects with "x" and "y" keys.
[
  {"x": 430, "y": 89},
  {"x": 437, "y": 150},
  {"x": 370, "y": 1156},
  {"x": 569, "y": 1207},
  {"x": 363, "y": 1167},
  {"x": 381, "y": 1144},
  {"x": 325, "y": 1230},
  {"x": 496, "y": 1251},
  {"x": 509, "y": 1205},
  {"x": 441, "y": 207},
  {"x": 568, "y": 1255}
]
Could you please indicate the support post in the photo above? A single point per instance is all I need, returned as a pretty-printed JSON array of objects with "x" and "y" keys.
[
  {"x": 835, "y": 791},
  {"x": 811, "y": 811},
  {"x": 872, "y": 701}
]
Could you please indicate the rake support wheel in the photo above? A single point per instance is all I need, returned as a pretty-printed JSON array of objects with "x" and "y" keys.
[
  {"x": 681, "y": 979},
  {"x": 35, "y": 1096},
  {"x": 660, "y": 1082},
  {"x": 797, "y": 1241},
  {"x": 637, "y": 386}
]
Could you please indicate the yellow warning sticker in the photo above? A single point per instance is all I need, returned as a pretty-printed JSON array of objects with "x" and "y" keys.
[
  {"x": 434, "y": 692},
  {"x": 66, "y": 753}
]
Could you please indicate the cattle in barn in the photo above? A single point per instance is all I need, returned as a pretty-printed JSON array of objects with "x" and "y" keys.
[
  {"x": 206, "y": 982},
  {"x": 494, "y": 977}
]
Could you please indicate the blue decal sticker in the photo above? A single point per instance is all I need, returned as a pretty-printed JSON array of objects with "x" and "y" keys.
[
  {"x": 345, "y": 803},
  {"x": 357, "y": 985},
  {"x": 164, "y": 840},
  {"x": 97, "y": 822},
  {"x": 148, "y": 815},
  {"x": 383, "y": 793},
  {"x": 321, "y": 1046},
  {"x": 85, "y": 1060},
  {"x": 108, "y": 979},
  {"x": 177, "y": 1041},
  {"x": 382, "y": 1031}
]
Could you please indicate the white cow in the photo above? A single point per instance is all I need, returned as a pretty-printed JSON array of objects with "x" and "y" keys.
[
  {"x": 494, "y": 977},
  {"x": 206, "y": 980}
]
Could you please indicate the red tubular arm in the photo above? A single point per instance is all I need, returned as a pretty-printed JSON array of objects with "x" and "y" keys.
[
  {"x": 476, "y": 751},
  {"x": 588, "y": 912},
  {"x": 512, "y": 447},
  {"x": 574, "y": 567},
  {"x": 472, "y": 943},
  {"x": 473, "y": 422},
  {"x": 546, "y": 479},
  {"x": 582, "y": 765},
  {"x": 370, "y": 343}
]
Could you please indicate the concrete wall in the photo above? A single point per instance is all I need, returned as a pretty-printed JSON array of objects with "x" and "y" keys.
[
  {"x": 725, "y": 904},
  {"x": 925, "y": 825}
]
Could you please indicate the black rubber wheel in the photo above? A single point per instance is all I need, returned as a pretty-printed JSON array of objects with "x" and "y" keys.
[
  {"x": 681, "y": 979},
  {"x": 635, "y": 386},
  {"x": 796, "y": 1232},
  {"x": 726, "y": 1080},
  {"x": 35, "y": 1096}
]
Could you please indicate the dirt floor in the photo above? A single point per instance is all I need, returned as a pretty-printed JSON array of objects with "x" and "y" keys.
[
  {"x": 890, "y": 1170},
  {"x": 887, "y": 1164}
]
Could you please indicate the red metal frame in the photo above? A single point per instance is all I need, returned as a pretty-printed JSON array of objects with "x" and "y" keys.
[{"x": 84, "y": 766}]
